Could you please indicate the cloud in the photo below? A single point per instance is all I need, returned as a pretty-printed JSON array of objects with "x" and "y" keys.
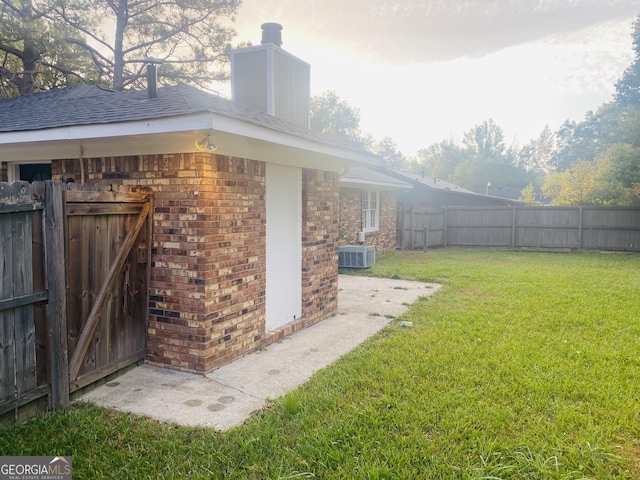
[
  {"x": 420, "y": 31},
  {"x": 424, "y": 70}
]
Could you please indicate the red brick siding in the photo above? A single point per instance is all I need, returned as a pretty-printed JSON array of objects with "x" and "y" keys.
[
  {"x": 385, "y": 237},
  {"x": 350, "y": 215},
  {"x": 207, "y": 293},
  {"x": 351, "y": 219}
]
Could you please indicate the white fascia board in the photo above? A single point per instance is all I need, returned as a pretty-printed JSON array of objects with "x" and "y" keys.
[
  {"x": 108, "y": 130},
  {"x": 277, "y": 137},
  {"x": 346, "y": 181},
  {"x": 234, "y": 137}
]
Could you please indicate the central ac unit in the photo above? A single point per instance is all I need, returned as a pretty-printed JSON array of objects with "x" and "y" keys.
[{"x": 356, "y": 256}]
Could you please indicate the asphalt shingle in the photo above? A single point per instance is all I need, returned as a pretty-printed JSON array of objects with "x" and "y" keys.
[{"x": 91, "y": 105}]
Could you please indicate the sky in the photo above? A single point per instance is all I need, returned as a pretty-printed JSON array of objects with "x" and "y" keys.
[{"x": 423, "y": 71}]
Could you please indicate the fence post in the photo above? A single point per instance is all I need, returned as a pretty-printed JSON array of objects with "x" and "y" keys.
[
  {"x": 444, "y": 221},
  {"x": 412, "y": 224},
  {"x": 426, "y": 237},
  {"x": 401, "y": 209},
  {"x": 57, "y": 286},
  {"x": 513, "y": 227},
  {"x": 581, "y": 213}
]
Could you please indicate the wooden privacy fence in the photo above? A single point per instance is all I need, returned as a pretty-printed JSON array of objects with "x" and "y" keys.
[
  {"x": 74, "y": 275},
  {"x": 27, "y": 360},
  {"x": 597, "y": 228}
]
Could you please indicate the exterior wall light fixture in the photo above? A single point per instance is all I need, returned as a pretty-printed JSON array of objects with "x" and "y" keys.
[{"x": 206, "y": 145}]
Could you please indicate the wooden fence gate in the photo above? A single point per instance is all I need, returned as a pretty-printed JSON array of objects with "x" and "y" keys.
[
  {"x": 107, "y": 236},
  {"x": 74, "y": 271}
]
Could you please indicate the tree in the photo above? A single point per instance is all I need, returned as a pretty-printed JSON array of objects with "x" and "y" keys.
[
  {"x": 187, "y": 35},
  {"x": 572, "y": 187},
  {"x": 388, "y": 150},
  {"x": 618, "y": 176},
  {"x": 439, "y": 159},
  {"x": 335, "y": 118},
  {"x": 629, "y": 127},
  {"x": 628, "y": 87},
  {"x": 485, "y": 142},
  {"x": 51, "y": 43},
  {"x": 587, "y": 139},
  {"x": 529, "y": 194},
  {"x": 625, "y": 164},
  {"x": 553, "y": 185},
  {"x": 538, "y": 155},
  {"x": 476, "y": 175},
  {"x": 33, "y": 53},
  {"x": 485, "y": 161}
]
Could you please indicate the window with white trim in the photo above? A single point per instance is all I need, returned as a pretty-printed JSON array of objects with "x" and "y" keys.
[
  {"x": 370, "y": 210},
  {"x": 29, "y": 171}
]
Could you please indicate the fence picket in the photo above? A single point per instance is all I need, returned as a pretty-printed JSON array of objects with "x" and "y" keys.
[
  {"x": 605, "y": 228},
  {"x": 54, "y": 242},
  {"x": 35, "y": 338}
]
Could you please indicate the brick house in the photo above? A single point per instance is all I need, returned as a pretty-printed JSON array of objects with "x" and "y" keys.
[
  {"x": 246, "y": 219},
  {"x": 368, "y": 205}
]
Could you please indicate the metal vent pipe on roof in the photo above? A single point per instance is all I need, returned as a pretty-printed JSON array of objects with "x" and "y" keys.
[
  {"x": 152, "y": 76},
  {"x": 271, "y": 33}
]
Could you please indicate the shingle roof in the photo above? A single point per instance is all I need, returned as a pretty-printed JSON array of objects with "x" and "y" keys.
[
  {"x": 431, "y": 182},
  {"x": 368, "y": 175},
  {"x": 91, "y": 105}
]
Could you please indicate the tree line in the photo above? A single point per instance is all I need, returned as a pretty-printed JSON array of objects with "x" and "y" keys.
[
  {"x": 48, "y": 44},
  {"x": 595, "y": 161}
]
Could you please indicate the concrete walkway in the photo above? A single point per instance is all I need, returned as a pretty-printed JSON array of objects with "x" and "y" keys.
[{"x": 226, "y": 397}]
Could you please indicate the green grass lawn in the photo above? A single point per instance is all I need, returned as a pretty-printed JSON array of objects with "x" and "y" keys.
[{"x": 524, "y": 365}]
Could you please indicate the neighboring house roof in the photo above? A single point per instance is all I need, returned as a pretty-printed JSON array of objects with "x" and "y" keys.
[
  {"x": 507, "y": 192},
  {"x": 367, "y": 177},
  {"x": 86, "y": 112},
  {"x": 446, "y": 192},
  {"x": 431, "y": 182}
]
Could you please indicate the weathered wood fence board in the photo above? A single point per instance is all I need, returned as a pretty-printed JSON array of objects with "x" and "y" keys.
[
  {"x": 74, "y": 277},
  {"x": 23, "y": 324},
  {"x": 420, "y": 228},
  {"x": 56, "y": 276},
  {"x": 107, "y": 284},
  {"x": 545, "y": 227}
]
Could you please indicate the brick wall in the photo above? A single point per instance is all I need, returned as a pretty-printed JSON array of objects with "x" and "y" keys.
[
  {"x": 351, "y": 219},
  {"x": 385, "y": 238},
  {"x": 207, "y": 292},
  {"x": 350, "y": 215}
]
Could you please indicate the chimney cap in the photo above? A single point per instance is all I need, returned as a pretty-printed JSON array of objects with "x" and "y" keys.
[{"x": 271, "y": 33}]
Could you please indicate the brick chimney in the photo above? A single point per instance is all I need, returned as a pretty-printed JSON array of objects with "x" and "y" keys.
[{"x": 272, "y": 80}]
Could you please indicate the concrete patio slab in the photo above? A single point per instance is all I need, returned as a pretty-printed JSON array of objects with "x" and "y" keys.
[{"x": 228, "y": 396}]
